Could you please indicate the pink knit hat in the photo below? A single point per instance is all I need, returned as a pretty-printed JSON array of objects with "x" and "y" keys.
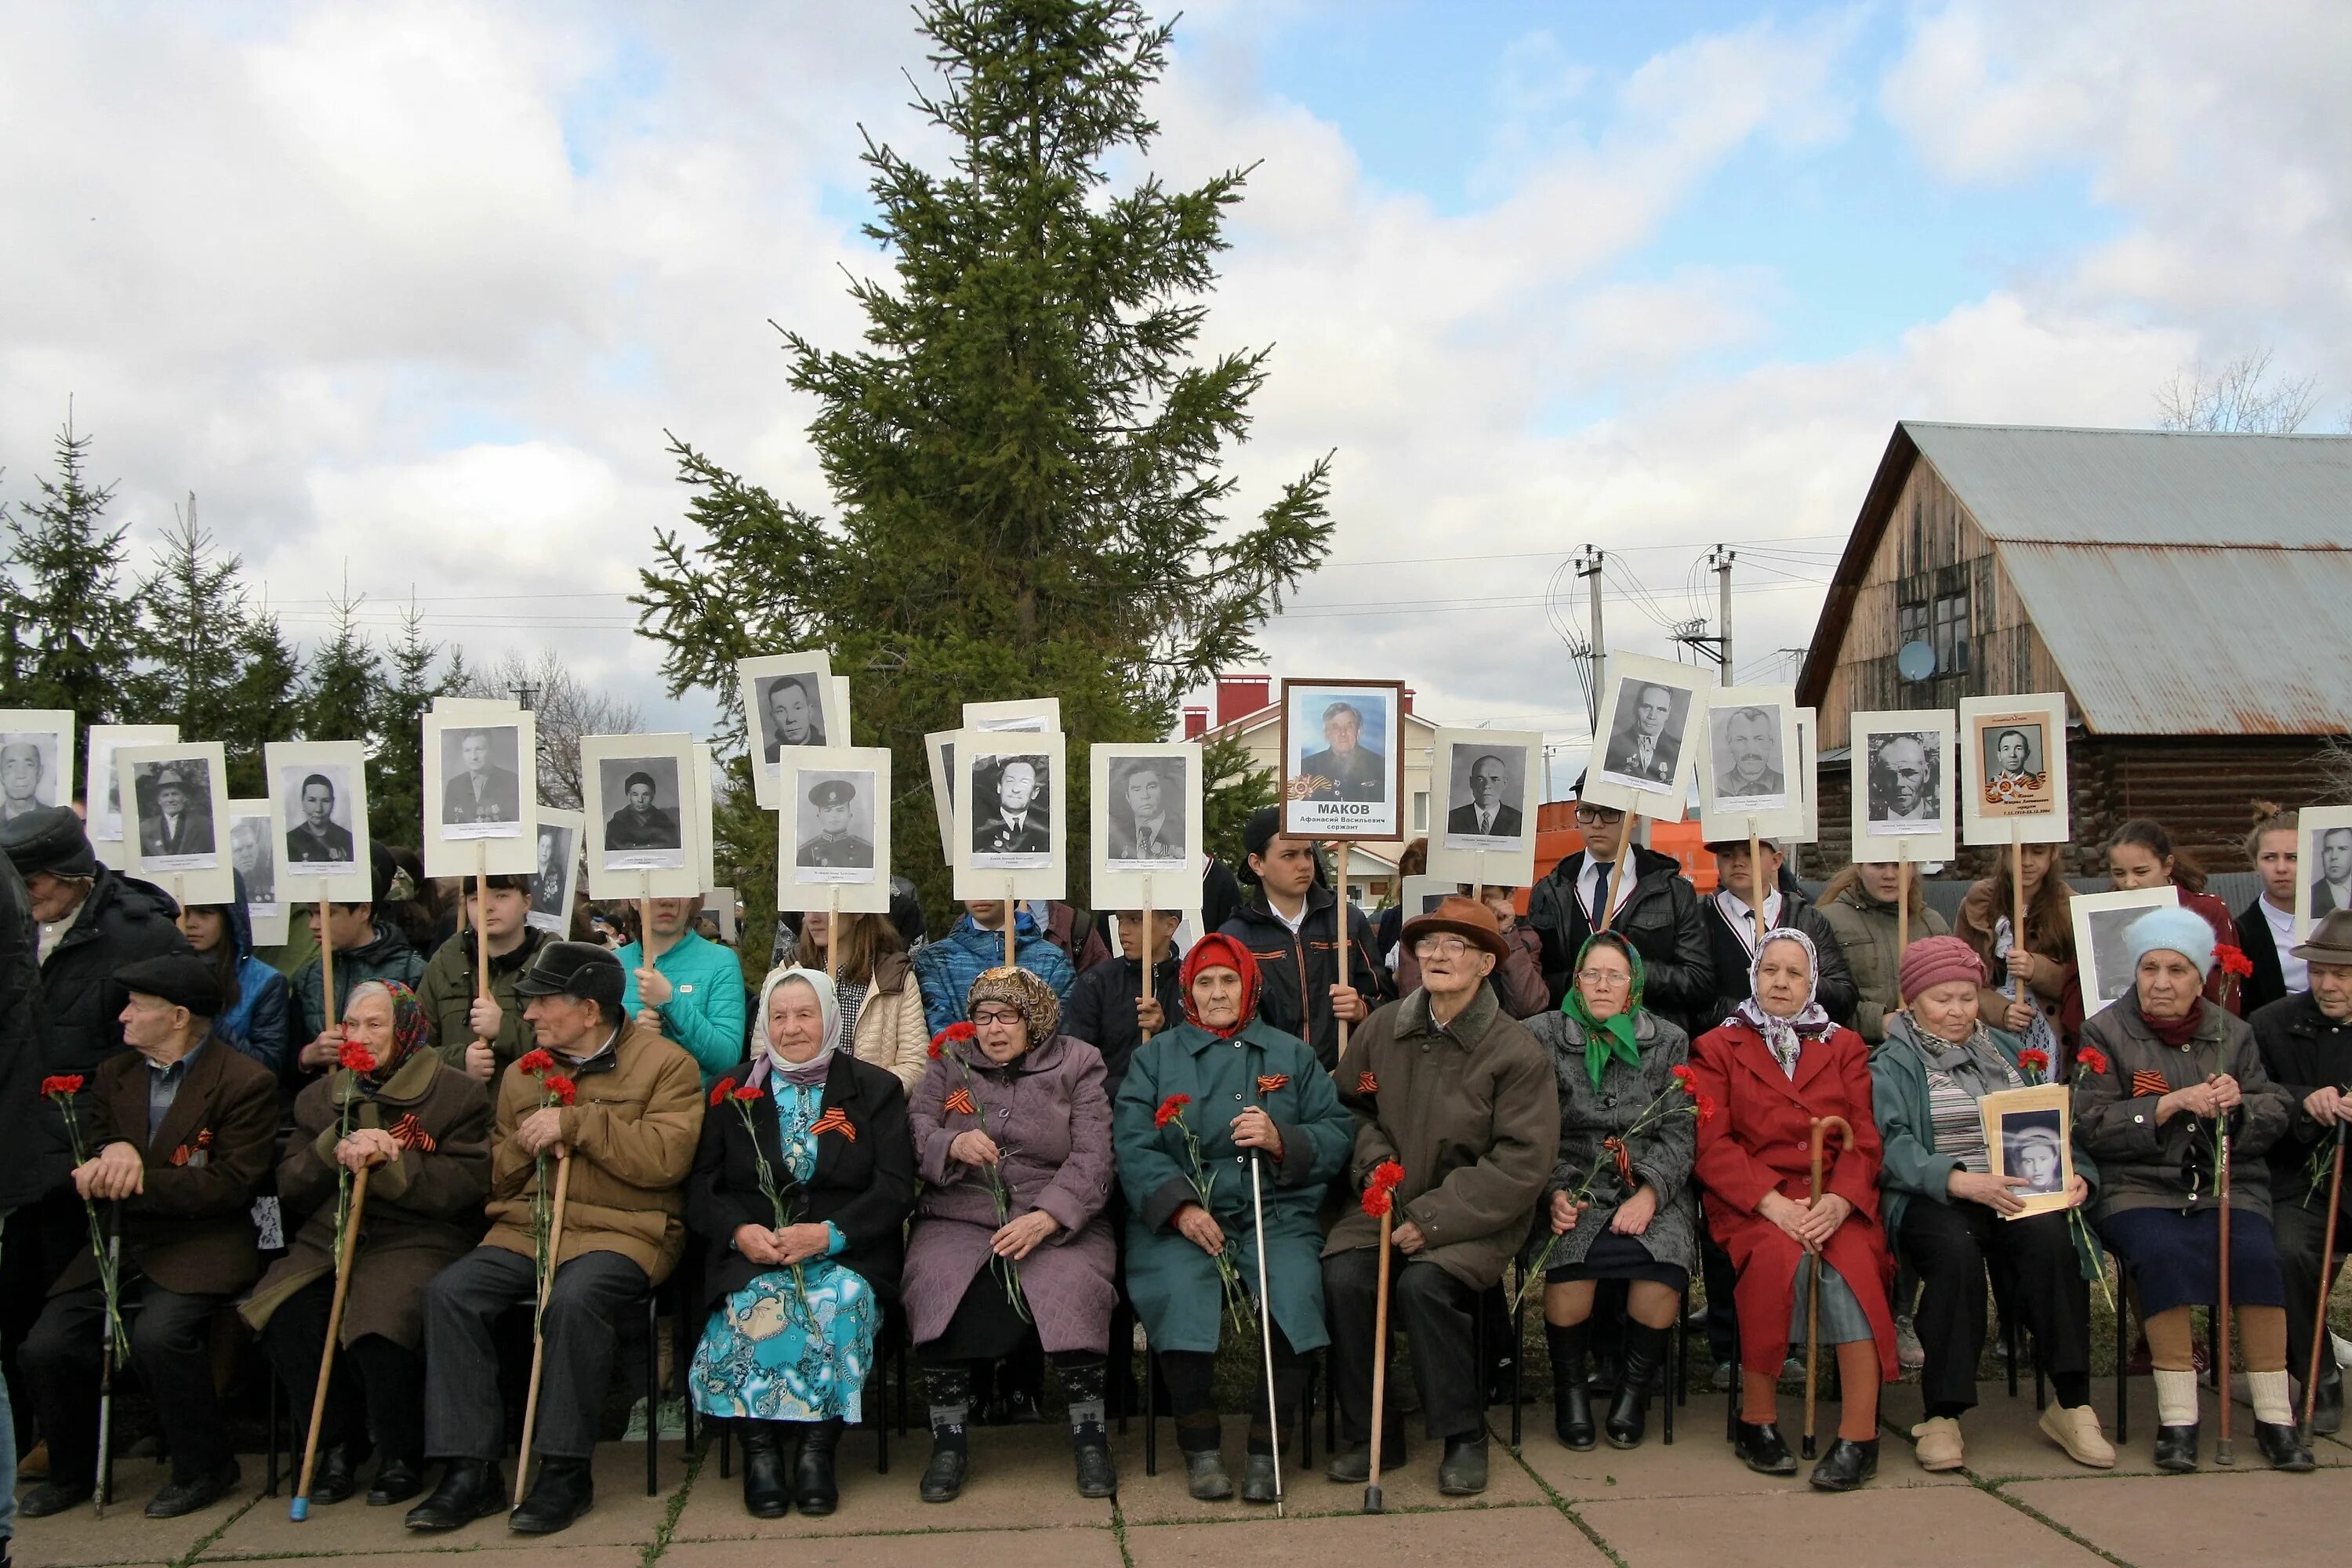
[{"x": 1932, "y": 961}]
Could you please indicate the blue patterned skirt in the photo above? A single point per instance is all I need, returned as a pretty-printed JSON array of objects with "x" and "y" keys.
[{"x": 767, "y": 1357}]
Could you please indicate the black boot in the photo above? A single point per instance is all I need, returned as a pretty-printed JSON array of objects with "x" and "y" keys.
[
  {"x": 2282, "y": 1444},
  {"x": 1759, "y": 1447},
  {"x": 1083, "y": 1382},
  {"x": 815, "y": 1488},
  {"x": 2175, "y": 1449},
  {"x": 1462, "y": 1469},
  {"x": 335, "y": 1478},
  {"x": 1571, "y": 1398},
  {"x": 2327, "y": 1411},
  {"x": 563, "y": 1491},
  {"x": 1629, "y": 1415},
  {"x": 179, "y": 1497},
  {"x": 469, "y": 1489},
  {"x": 396, "y": 1480},
  {"x": 1846, "y": 1465},
  {"x": 766, "y": 1493},
  {"x": 948, "y": 1390}
]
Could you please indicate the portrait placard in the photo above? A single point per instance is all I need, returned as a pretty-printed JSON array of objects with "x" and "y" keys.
[
  {"x": 253, "y": 856},
  {"x": 834, "y": 830},
  {"x": 555, "y": 874},
  {"x": 1484, "y": 783},
  {"x": 1027, "y": 715},
  {"x": 492, "y": 708},
  {"x": 2323, "y": 882},
  {"x": 1809, "y": 768},
  {"x": 640, "y": 816},
  {"x": 2030, "y": 1133},
  {"x": 1642, "y": 759},
  {"x": 1904, "y": 788},
  {"x": 177, "y": 793},
  {"x": 841, "y": 707},
  {"x": 1145, "y": 812},
  {"x": 318, "y": 816},
  {"x": 481, "y": 791},
  {"x": 2013, "y": 759},
  {"x": 103, "y": 785},
  {"x": 1343, "y": 759},
  {"x": 789, "y": 701},
  {"x": 36, "y": 760},
  {"x": 940, "y": 747},
  {"x": 1012, "y": 823},
  {"x": 2100, "y": 922},
  {"x": 1748, "y": 781}
]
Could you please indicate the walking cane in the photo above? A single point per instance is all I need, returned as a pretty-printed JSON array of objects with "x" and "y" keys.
[
  {"x": 2222, "y": 1451},
  {"x": 1372, "y": 1503},
  {"x": 539, "y": 1322},
  {"x": 299, "y": 1509},
  {"x": 106, "y": 1369},
  {"x": 1266, "y": 1328},
  {"x": 2319, "y": 1314},
  {"x": 1822, "y": 1126}
]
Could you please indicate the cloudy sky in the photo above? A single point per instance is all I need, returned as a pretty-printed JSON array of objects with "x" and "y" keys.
[{"x": 408, "y": 290}]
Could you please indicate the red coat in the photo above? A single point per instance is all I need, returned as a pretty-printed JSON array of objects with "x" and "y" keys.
[{"x": 1759, "y": 1142}]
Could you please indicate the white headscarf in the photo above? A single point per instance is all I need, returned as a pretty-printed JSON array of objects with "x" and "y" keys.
[
  {"x": 828, "y": 1000},
  {"x": 1784, "y": 1037}
]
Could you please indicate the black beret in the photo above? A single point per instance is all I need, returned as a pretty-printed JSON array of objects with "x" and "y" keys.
[
  {"x": 51, "y": 840},
  {"x": 579, "y": 969},
  {"x": 180, "y": 978}
]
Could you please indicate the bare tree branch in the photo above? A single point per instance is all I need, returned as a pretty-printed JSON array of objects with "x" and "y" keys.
[
  {"x": 566, "y": 711},
  {"x": 2239, "y": 396}
]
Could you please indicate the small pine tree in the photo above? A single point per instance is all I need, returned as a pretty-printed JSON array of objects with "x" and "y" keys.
[
  {"x": 267, "y": 703},
  {"x": 396, "y": 763},
  {"x": 192, "y": 620},
  {"x": 73, "y": 632},
  {"x": 339, "y": 701}
]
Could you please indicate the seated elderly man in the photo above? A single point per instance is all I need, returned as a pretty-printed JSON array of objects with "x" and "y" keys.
[
  {"x": 181, "y": 1131},
  {"x": 629, "y": 1134},
  {"x": 1463, "y": 1097}
]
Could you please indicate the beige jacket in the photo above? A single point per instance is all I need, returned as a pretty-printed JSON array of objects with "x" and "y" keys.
[{"x": 892, "y": 1032}]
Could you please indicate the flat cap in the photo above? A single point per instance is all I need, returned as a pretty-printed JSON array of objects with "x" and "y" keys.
[
  {"x": 581, "y": 969},
  {"x": 180, "y": 978},
  {"x": 51, "y": 840}
]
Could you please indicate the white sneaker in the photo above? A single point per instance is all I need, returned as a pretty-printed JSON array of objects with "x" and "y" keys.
[{"x": 2077, "y": 1432}]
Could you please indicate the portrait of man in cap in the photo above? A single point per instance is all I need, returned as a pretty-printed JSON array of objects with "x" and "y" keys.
[
  {"x": 317, "y": 838},
  {"x": 175, "y": 815},
  {"x": 834, "y": 807},
  {"x": 479, "y": 790}
]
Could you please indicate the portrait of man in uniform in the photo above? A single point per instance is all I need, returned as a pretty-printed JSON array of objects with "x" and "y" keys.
[
  {"x": 479, "y": 789},
  {"x": 1014, "y": 831},
  {"x": 1647, "y": 740},
  {"x": 317, "y": 838},
  {"x": 1749, "y": 764},
  {"x": 832, "y": 808},
  {"x": 1345, "y": 769},
  {"x": 1146, "y": 812}
]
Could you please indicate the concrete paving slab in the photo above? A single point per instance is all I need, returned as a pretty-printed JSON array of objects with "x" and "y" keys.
[
  {"x": 1067, "y": 1547},
  {"x": 1021, "y": 1478},
  {"x": 126, "y": 1534},
  {"x": 2004, "y": 1441},
  {"x": 2161, "y": 1521},
  {"x": 1438, "y": 1539},
  {"x": 623, "y": 1515},
  {"x": 1896, "y": 1527},
  {"x": 1699, "y": 1464},
  {"x": 1161, "y": 1499}
]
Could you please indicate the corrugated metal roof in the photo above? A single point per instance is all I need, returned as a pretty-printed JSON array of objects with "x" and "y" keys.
[
  {"x": 2194, "y": 640},
  {"x": 2145, "y": 487}
]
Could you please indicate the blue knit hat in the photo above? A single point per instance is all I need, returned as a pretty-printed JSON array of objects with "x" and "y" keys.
[{"x": 2172, "y": 930}]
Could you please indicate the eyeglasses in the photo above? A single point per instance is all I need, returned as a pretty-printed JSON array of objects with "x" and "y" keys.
[
  {"x": 995, "y": 1015},
  {"x": 1598, "y": 977},
  {"x": 1440, "y": 947},
  {"x": 1589, "y": 816}
]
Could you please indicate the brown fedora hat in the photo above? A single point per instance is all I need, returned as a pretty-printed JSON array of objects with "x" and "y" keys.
[
  {"x": 2330, "y": 941},
  {"x": 1466, "y": 917}
]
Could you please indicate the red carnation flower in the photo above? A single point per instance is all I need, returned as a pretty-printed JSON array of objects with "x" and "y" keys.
[
  {"x": 562, "y": 1091},
  {"x": 1688, "y": 1077},
  {"x": 1376, "y": 1200},
  {"x": 2033, "y": 1060},
  {"x": 1706, "y": 1108},
  {"x": 717, "y": 1095},
  {"x": 64, "y": 1084},
  {"x": 750, "y": 1091},
  {"x": 2233, "y": 961},
  {"x": 1387, "y": 1175},
  {"x": 356, "y": 1057},
  {"x": 2093, "y": 1060},
  {"x": 1171, "y": 1109},
  {"x": 536, "y": 1061}
]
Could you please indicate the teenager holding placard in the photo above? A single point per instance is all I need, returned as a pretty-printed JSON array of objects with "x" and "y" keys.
[
  {"x": 1290, "y": 924},
  {"x": 691, "y": 992},
  {"x": 475, "y": 1031},
  {"x": 1655, "y": 908},
  {"x": 365, "y": 947}
]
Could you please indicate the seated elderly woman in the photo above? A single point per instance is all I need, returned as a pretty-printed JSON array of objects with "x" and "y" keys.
[
  {"x": 1614, "y": 1063},
  {"x": 802, "y": 1184},
  {"x": 2172, "y": 1070},
  {"x": 1461, "y": 1096},
  {"x": 1011, "y": 1243},
  {"x": 1199, "y": 1102},
  {"x": 1949, "y": 1215},
  {"x": 423, "y": 1131},
  {"x": 1771, "y": 1068}
]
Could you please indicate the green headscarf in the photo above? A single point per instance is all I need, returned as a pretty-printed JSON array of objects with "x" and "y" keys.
[{"x": 1614, "y": 1036}]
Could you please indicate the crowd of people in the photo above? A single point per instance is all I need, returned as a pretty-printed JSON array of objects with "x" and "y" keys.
[{"x": 1014, "y": 1146}]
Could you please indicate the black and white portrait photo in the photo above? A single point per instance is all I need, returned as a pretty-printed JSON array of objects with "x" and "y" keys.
[
  {"x": 1906, "y": 781},
  {"x": 175, "y": 822},
  {"x": 2099, "y": 921},
  {"x": 833, "y": 839},
  {"x": 254, "y": 857},
  {"x": 29, "y": 775},
  {"x": 1342, "y": 746},
  {"x": 102, "y": 783},
  {"x": 2034, "y": 1150},
  {"x": 319, "y": 839},
  {"x": 1486, "y": 797},
  {"x": 790, "y": 711},
  {"x": 1646, "y": 731},
  {"x": 481, "y": 782},
  {"x": 646, "y": 832},
  {"x": 1748, "y": 745},
  {"x": 1145, "y": 820},
  {"x": 1012, "y": 812},
  {"x": 2329, "y": 856},
  {"x": 551, "y": 883}
]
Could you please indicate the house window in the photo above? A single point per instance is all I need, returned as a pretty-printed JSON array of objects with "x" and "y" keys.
[
  {"x": 1421, "y": 811},
  {"x": 1911, "y": 625},
  {"x": 1951, "y": 632}
]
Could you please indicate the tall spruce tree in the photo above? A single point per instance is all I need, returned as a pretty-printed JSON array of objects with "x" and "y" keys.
[
  {"x": 1025, "y": 457},
  {"x": 73, "y": 635},
  {"x": 192, "y": 615},
  {"x": 267, "y": 702},
  {"x": 339, "y": 700},
  {"x": 396, "y": 762}
]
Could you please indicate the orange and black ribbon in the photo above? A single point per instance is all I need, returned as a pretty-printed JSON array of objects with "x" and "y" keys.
[
  {"x": 834, "y": 1120},
  {"x": 2147, "y": 1082},
  {"x": 1272, "y": 1081},
  {"x": 1367, "y": 1084},
  {"x": 1616, "y": 1147},
  {"x": 409, "y": 1133},
  {"x": 960, "y": 1101}
]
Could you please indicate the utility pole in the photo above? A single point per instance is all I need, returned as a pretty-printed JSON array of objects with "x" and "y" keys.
[
  {"x": 1588, "y": 558},
  {"x": 525, "y": 693},
  {"x": 1720, "y": 557}
]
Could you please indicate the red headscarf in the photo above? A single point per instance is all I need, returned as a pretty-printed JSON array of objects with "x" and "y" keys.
[{"x": 1218, "y": 951}]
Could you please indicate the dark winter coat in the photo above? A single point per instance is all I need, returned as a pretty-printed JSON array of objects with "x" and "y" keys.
[
  {"x": 446, "y": 993},
  {"x": 1050, "y": 1117},
  {"x": 2304, "y": 1050},
  {"x": 2268, "y": 982},
  {"x": 2144, "y": 1161},
  {"x": 1659, "y": 916},
  {"x": 1102, "y": 1010},
  {"x": 1834, "y": 989},
  {"x": 1300, "y": 970},
  {"x": 26, "y": 1172},
  {"x": 260, "y": 1022}
]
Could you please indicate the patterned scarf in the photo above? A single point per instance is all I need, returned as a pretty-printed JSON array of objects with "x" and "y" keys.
[
  {"x": 410, "y": 1033},
  {"x": 1786, "y": 1038}
]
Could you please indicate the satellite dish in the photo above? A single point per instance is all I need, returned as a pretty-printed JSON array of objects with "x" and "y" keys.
[{"x": 1916, "y": 661}]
